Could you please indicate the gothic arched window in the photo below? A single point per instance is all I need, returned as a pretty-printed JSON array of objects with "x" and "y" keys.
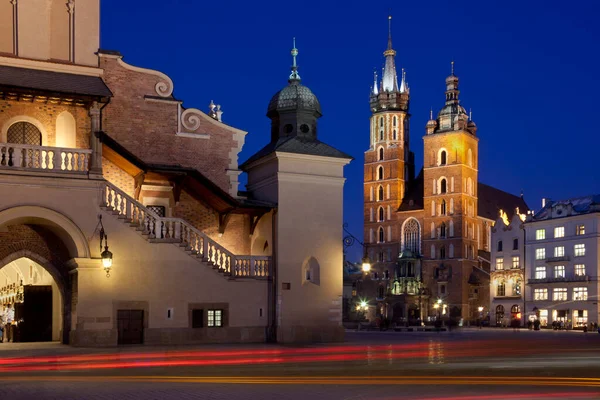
[
  {"x": 381, "y": 235},
  {"x": 442, "y": 252},
  {"x": 381, "y": 154},
  {"x": 443, "y": 157},
  {"x": 443, "y": 186},
  {"x": 24, "y": 133},
  {"x": 395, "y": 120},
  {"x": 380, "y": 173},
  {"x": 443, "y": 207},
  {"x": 380, "y": 193},
  {"x": 443, "y": 230},
  {"x": 411, "y": 235},
  {"x": 381, "y": 214},
  {"x": 395, "y": 135}
]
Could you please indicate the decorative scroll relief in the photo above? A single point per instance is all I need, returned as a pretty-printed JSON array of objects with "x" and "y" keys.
[
  {"x": 190, "y": 119},
  {"x": 163, "y": 88}
]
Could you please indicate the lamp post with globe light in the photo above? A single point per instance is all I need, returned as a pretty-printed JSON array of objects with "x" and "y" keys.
[{"x": 350, "y": 240}]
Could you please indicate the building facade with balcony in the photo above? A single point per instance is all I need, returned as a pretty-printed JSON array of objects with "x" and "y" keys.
[
  {"x": 562, "y": 262},
  {"x": 120, "y": 217},
  {"x": 507, "y": 276}
]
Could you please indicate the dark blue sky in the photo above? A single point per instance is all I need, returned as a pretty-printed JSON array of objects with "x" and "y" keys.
[{"x": 529, "y": 70}]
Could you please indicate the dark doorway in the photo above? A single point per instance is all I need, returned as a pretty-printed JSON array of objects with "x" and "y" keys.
[
  {"x": 36, "y": 315},
  {"x": 130, "y": 326}
]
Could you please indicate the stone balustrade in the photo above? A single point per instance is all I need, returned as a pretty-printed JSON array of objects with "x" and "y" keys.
[
  {"x": 44, "y": 158},
  {"x": 177, "y": 230}
]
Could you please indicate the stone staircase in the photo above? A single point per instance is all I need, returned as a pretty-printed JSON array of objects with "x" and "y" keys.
[{"x": 196, "y": 244}]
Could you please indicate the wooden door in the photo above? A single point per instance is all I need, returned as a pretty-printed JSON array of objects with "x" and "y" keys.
[{"x": 130, "y": 326}]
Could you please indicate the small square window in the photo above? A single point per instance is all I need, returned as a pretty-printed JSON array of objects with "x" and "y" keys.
[
  {"x": 559, "y": 232},
  {"x": 215, "y": 318},
  {"x": 579, "y": 270},
  {"x": 579, "y": 250},
  {"x": 540, "y": 234},
  {"x": 499, "y": 263},
  {"x": 540, "y": 254},
  {"x": 516, "y": 262},
  {"x": 540, "y": 272},
  {"x": 580, "y": 230},
  {"x": 559, "y": 271},
  {"x": 559, "y": 251}
]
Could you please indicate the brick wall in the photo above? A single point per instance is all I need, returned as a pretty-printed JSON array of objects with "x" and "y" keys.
[
  {"x": 46, "y": 114},
  {"x": 35, "y": 239},
  {"x": 236, "y": 237},
  {"x": 118, "y": 177},
  {"x": 148, "y": 128}
]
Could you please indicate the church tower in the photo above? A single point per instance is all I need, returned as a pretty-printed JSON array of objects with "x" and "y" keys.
[
  {"x": 389, "y": 164},
  {"x": 450, "y": 222}
]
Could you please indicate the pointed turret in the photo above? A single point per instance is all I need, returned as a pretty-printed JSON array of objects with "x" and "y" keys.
[{"x": 390, "y": 78}]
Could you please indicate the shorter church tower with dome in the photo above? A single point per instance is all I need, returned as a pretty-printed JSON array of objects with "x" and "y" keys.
[{"x": 305, "y": 178}]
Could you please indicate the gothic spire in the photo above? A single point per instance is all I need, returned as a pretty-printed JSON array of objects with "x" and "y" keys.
[
  {"x": 390, "y": 78},
  {"x": 375, "y": 88}
]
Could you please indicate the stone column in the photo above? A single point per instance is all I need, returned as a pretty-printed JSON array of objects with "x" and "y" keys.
[{"x": 95, "y": 145}]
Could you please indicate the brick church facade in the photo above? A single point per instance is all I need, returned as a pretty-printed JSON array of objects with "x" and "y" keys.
[{"x": 428, "y": 236}]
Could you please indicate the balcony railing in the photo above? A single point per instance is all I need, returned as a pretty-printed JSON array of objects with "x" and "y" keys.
[
  {"x": 584, "y": 278},
  {"x": 557, "y": 259},
  {"x": 44, "y": 158}
]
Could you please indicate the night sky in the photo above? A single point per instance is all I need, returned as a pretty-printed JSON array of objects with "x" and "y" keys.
[{"x": 529, "y": 70}]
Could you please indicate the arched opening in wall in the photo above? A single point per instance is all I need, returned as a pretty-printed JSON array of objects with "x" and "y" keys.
[
  {"x": 499, "y": 315},
  {"x": 381, "y": 154},
  {"x": 260, "y": 247},
  {"x": 380, "y": 173},
  {"x": 443, "y": 208},
  {"x": 36, "y": 239},
  {"x": 32, "y": 302},
  {"x": 380, "y": 193},
  {"x": 311, "y": 271},
  {"x": 381, "y": 214},
  {"x": 443, "y": 157},
  {"x": 443, "y": 185},
  {"x": 381, "y": 235},
  {"x": 24, "y": 133},
  {"x": 66, "y": 130}
]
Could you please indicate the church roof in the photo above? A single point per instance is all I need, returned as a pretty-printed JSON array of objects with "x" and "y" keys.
[
  {"x": 490, "y": 200},
  {"x": 297, "y": 145},
  {"x": 53, "y": 82}
]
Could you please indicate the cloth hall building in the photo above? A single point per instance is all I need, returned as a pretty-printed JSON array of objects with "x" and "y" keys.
[
  {"x": 121, "y": 220},
  {"x": 427, "y": 235}
]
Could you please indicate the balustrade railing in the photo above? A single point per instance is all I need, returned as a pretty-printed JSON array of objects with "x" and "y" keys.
[
  {"x": 46, "y": 158},
  {"x": 178, "y": 230}
]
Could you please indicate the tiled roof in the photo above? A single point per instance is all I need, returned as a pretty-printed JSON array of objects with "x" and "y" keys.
[
  {"x": 297, "y": 145},
  {"x": 413, "y": 199},
  {"x": 492, "y": 200},
  {"x": 53, "y": 82}
]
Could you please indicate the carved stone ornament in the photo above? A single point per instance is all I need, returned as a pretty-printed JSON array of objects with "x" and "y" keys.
[
  {"x": 164, "y": 87},
  {"x": 190, "y": 119}
]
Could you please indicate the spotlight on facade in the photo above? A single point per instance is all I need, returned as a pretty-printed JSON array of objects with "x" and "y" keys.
[{"x": 366, "y": 264}]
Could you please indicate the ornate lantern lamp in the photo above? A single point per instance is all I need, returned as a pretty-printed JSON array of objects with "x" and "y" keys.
[{"x": 106, "y": 255}]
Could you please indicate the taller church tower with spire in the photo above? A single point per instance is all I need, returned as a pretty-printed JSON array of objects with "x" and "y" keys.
[{"x": 389, "y": 164}]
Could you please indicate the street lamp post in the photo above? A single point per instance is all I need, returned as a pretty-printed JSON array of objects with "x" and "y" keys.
[
  {"x": 349, "y": 240},
  {"x": 480, "y": 309}
]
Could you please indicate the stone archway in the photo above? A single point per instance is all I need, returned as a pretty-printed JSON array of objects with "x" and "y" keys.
[{"x": 51, "y": 240}]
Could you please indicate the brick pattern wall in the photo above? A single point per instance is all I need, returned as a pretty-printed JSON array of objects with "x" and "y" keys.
[
  {"x": 236, "y": 237},
  {"x": 148, "y": 128},
  {"x": 35, "y": 239},
  {"x": 118, "y": 177},
  {"x": 46, "y": 114}
]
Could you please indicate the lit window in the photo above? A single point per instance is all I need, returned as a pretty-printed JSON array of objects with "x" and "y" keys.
[
  {"x": 540, "y": 254},
  {"x": 515, "y": 262},
  {"x": 540, "y": 234},
  {"x": 581, "y": 317},
  {"x": 559, "y": 251},
  {"x": 580, "y": 293},
  {"x": 540, "y": 272},
  {"x": 501, "y": 289},
  {"x": 559, "y": 294},
  {"x": 559, "y": 271},
  {"x": 580, "y": 230},
  {"x": 579, "y": 250},
  {"x": 579, "y": 270},
  {"x": 540, "y": 294},
  {"x": 215, "y": 318},
  {"x": 499, "y": 263},
  {"x": 559, "y": 232}
]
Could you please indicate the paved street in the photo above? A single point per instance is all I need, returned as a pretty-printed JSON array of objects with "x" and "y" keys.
[{"x": 468, "y": 364}]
